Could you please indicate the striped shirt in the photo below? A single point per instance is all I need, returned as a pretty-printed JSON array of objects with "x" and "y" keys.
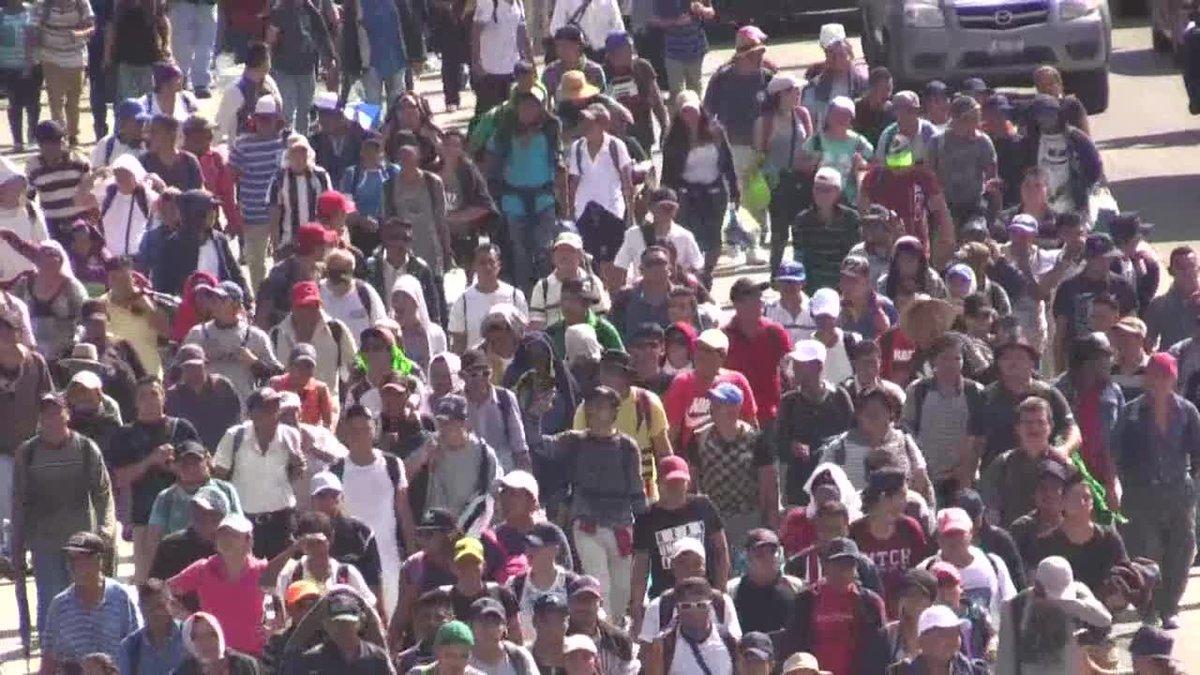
[
  {"x": 822, "y": 247},
  {"x": 256, "y": 160},
  {"x": 73, "y": 631},
  {"x": 57, "y": 20},
  {"x": 56, "y": 187},
  {"x": 296, "y": 194}
]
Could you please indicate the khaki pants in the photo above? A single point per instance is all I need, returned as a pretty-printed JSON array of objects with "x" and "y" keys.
[
  {"x": 63, "y": 88},
  {"x": 257, "y": 237}
]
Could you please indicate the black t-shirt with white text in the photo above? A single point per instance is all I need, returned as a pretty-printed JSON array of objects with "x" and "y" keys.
[{"x": 656, "y": 531}]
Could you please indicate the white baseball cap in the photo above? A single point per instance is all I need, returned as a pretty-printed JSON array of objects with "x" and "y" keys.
[
  {"x": 88, "y": 380},
  {"x": 827, "y": 175},
  {"x": 937, "y": 616},
  {"x": 578, "y": 642},
  {"x": 236, "y": 522},
  {"x": 1023, "y": 222},
  {"x": 688, "y": 545},
  {"x": 806, "y": 351},
  {"x": 1054, "y": 575},
  {"x": 266, "y": 105},
  {"x": 326, "y": 101},
  {"x": 781, "y": 83},
  {"x": 714, "y": 338},
  {"x": 520, "y": 480},
  {"x": 325, "y": 480},
  {"x": 842, "y": 103},
  {"x": 831, "y": 33},
  {"x": 825, "y": 302}
]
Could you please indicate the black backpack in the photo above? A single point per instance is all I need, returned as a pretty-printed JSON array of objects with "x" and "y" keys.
[{"x": 670, "y": 640}]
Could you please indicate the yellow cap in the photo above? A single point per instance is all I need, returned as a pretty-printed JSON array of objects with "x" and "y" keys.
[{"x": 468, "y": 547}]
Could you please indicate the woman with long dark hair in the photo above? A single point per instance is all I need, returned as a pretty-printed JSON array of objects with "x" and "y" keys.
[
  {"x": 411, "y": 112},
  {"x": 779, "y": 134},
  {"x": 909, "y": 273},
  {"x": 698, "y": 164}
]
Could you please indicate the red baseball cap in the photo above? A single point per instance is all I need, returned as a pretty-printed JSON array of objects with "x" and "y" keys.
[
  {"x": 312, "y": 236},
  {"x": 330, "y": 202},
  {"x": 306, "y": 294},
  {"x": 1163, "y": 363},
  {"x": 673, "y": 467},
  {"x": 945, "y": 573},
  {"x": 954, "y": 519}
]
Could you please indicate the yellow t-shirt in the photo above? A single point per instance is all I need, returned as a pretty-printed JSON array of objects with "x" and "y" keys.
[
  {"x": 653, "y": 421},
  {"x": 140, "y": 334}
]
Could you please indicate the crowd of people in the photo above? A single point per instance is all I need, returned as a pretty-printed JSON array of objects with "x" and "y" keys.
[{"x": 955, "y": 432}]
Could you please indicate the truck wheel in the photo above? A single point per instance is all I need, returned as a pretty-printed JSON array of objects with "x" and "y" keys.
[
  {"x": 1162, "y": 43},
  {"x": 1091, "y": 86}
]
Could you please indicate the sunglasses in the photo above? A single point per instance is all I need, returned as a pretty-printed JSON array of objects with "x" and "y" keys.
[
  {"x": 478, "y": 372},
  {"x": 699, "y": 604}
]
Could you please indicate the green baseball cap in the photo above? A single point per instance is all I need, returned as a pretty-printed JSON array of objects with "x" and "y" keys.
[{"x": 454, "y": 633}]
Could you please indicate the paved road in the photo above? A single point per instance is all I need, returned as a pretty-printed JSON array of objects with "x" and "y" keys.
[{"x": 1146, "y": 138}]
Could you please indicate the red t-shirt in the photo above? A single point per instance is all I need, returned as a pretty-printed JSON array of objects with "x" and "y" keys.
[
  {"x": 758, "y": 358},
  {"x": 892, "y": 556},
  {"x": 897, "y": 352},
  {"x": 835, "y": 633},
  {"x": 687, "y": 403},
  {"x": 1091, "y": 429},
  {"x": 797, "y": 532},
  {"x": 907, "y": 193}
]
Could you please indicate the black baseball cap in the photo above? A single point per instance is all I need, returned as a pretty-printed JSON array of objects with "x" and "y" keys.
[
  {"x": 549, "y": 602},
  {"x": 85, "y": 542},
  {"x": 746, "y": 286},
  {"x": 647, "y": 332},
  {"x": 756, "y": 645},
  {"x": 542, "y": 534},
  {"x": 1099, "y": 245},
  {"x": 1124, "y": 226},
  {"x": 487, "y": 606},
  {"x": 570, "y": 33},
  {"x": 840, "y": 548},
  {"x": 343, "y": 607}
]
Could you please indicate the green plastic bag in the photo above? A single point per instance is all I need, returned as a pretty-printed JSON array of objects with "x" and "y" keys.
[{"x": 757, "y": 195}]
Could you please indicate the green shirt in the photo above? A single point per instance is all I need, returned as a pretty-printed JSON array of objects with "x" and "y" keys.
[{"x": 606, "y": 334}]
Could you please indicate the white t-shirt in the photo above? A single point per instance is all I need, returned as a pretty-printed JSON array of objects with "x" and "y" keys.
[
  {"x": 687, "y": 251},
  {"x": 498, "y": 22},
  {"x": 469, "y": 310},
  {"x": 650, "y": 623},
  {"x": 350, "y": 577},
  {"x": 369, "y": 496},
  {"x": 207, "y": 259},
  {"x": 837, "y": 361},
  {"x": 124, "y": 222},
  {"x": 349, "y": 307},
  {"x": 986, "y": 583},
  {"x": 702, "y": 166},
  {"x": 547, "y": 293},
  {"x": 599, "y": 179},
  {"x": 714, "y": 652},
  {"x": 101, "y": 156},
  {"x": 261, "y": 478},
  {"x": 799, "y": 326}
]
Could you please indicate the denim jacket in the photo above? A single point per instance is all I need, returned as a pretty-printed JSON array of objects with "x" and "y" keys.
[
  {"x": 1112, "y": 402},
  {"x": 1150, "y": 461}
]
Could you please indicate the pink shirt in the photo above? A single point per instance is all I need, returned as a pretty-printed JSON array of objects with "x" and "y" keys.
[{"x": 237, "y": 604}]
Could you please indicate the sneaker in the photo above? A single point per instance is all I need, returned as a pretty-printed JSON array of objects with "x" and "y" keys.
[
  {"x": 1170, "y": 622},
  {"x": 74, "y": 142},
  {"x": 202, "y": 92},
  {"x": 18, "y": 148}
]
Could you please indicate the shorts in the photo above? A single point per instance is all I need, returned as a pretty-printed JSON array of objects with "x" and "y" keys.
[{"x": 602, "y": 232}]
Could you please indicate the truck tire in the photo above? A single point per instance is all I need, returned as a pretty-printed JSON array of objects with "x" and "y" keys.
[{"x": 1091, "y": 87}]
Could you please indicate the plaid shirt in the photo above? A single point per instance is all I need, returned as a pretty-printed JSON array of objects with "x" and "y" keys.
[{"x": 728, "y": 469}]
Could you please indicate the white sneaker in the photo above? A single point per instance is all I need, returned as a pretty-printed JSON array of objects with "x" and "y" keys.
[{"x": 735, "y": 258}]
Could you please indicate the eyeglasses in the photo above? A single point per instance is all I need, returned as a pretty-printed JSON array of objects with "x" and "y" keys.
[
  {"x": 654, "y": 262},
  {"x": 478, "y": 372},
  {"x": 698, "y": 604}
]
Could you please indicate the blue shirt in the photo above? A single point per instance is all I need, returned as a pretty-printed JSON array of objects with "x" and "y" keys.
[
  {"x": 256, "y": 162},
  {"x": 151, "y": 659},
  {"x": 381, "y": 19},
  {"x": 72, "y": 632},
  {"x": 366, "y": 187},
  {"x": 528, "y": 165},
  {"x": 1155, "y": 463}
]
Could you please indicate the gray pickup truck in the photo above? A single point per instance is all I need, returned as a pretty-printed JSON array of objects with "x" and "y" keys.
[{"x": 1002, "y": 41}]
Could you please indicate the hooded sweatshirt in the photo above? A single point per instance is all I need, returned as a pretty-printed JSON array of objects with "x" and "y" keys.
[{"x": 26, "y": 220}]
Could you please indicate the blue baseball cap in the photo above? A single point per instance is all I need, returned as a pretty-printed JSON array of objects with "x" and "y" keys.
[
  {"x": 131, "y": 108},
  {"x": 616, "y": 40},
  {"x": 725, "y": 392},
  {"x": 791, "y": 270}
]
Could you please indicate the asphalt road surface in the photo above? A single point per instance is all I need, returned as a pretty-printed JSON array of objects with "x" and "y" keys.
[{"x": 1146, "y": 139}]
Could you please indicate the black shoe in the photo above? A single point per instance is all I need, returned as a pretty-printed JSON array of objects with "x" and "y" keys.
[
  {"x": 18, "y": 148},
  {"x": 1170, "y": 622},
  {"x": 202, "y": 92}
]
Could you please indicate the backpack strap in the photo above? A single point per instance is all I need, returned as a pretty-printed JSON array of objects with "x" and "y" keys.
[
  {"x": 392, "y": 464},
  {"x": 515, "y": 658},
  {"x": 335, "y": 330},
  {"x": 919, "y": 394},
  {"x": 110, "y": 146},
  {"x": 110, "y": 194},
  {"x": 506, "y": 406},
  {"x": 641, "y": 406},
  {"x": 239, "y": 435},
  {"x": 364, "y": 297}
]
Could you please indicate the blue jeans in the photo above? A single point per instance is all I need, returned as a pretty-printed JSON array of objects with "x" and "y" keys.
[
  {"x": 530, "y": 239},
  {"x": 134, "y": 81},
  {"x": 193, "y": 36},
  {"x": 374, "y": 86},
  {"x": 297, "y": 92},
  {"x": 50, "y": 576}
]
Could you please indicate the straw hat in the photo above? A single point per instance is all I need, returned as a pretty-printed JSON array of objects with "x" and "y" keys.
[
  {"x": 926, "y": 314},
  {"x": 574, "y": 86}
]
